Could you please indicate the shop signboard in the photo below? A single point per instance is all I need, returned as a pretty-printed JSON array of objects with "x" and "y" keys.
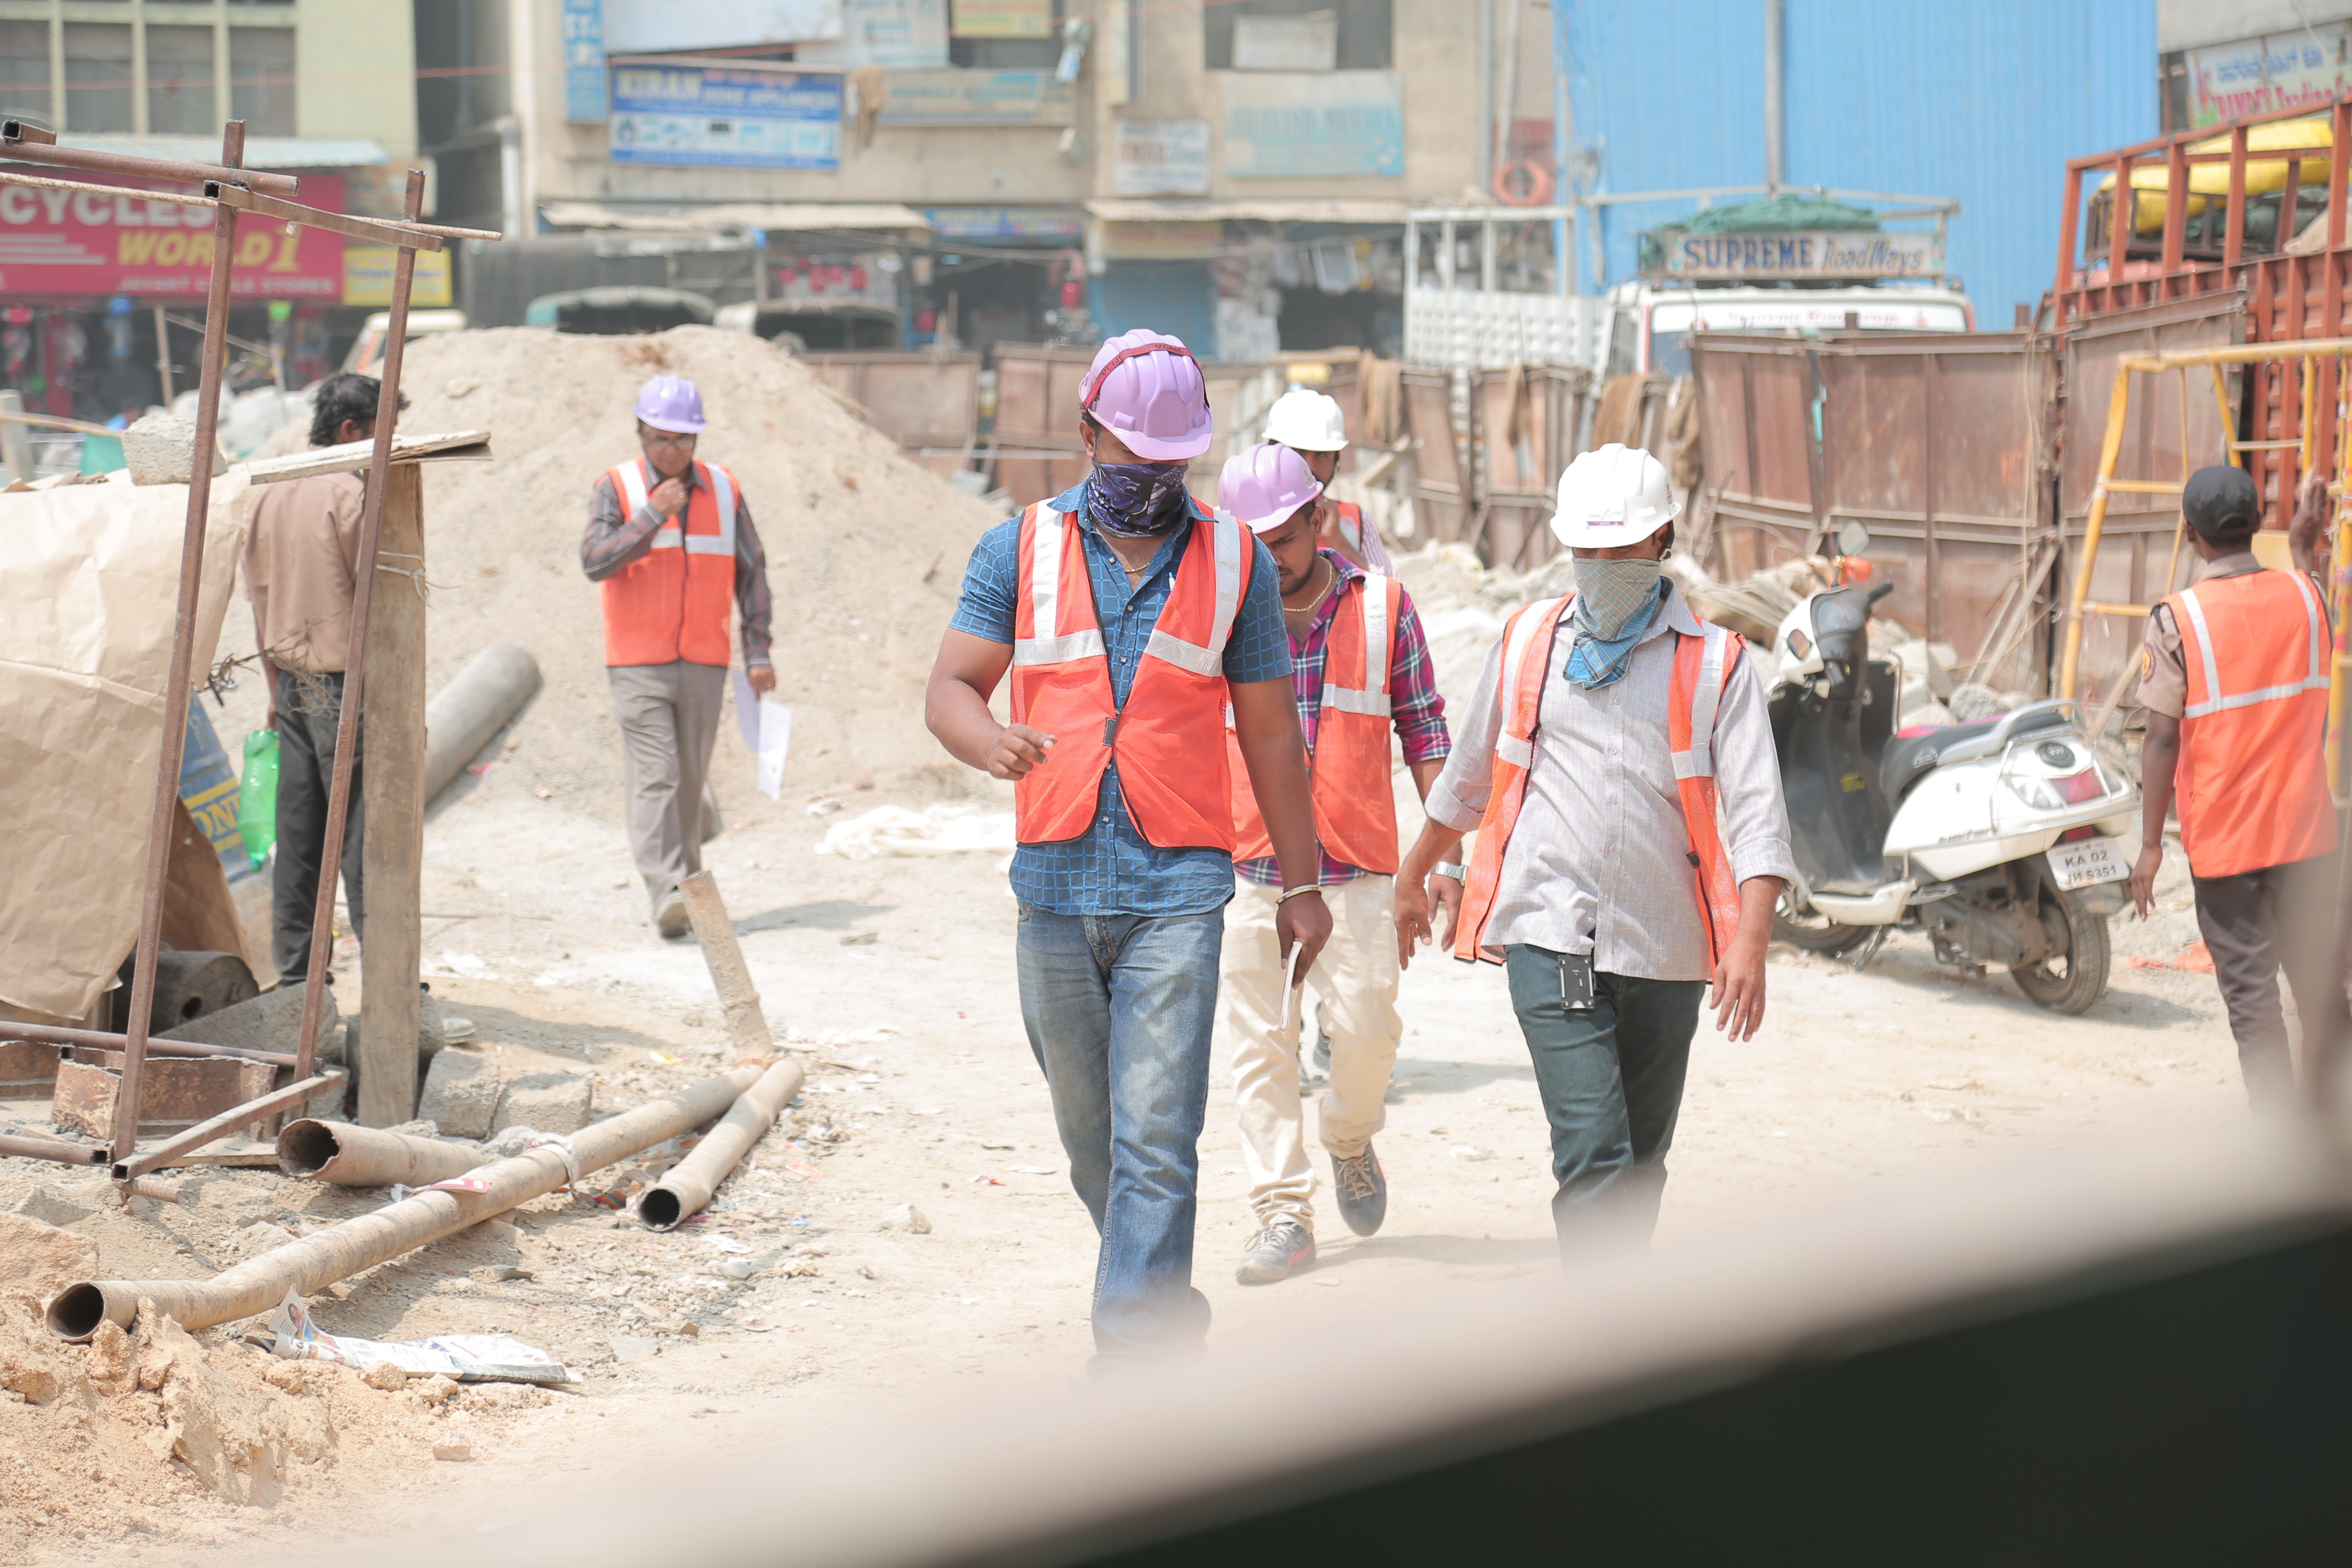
[
  {"x": 583, "y": 59},
  {"x": 2311, "y": 65},
  {"x": 951, "y": 98},
  {"x": 1006, "y": 223},
  {"x": 82, "y": 243},
  {"x": 1165, "y": 239},
  {"x": 896, "y": 35},
  {"x": 704, "y": 116},
  {"x": 1314, "y": 125},
  {"x": 1160, "y": 158},
  {"x": 1004, "y": 18},
  {"x": 1811, "y": 253},
  {"x": 631, "y": 26},
  {"x": 367, "y": 277}
]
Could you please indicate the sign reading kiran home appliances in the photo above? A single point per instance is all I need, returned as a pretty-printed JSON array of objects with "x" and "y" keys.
[
  {"x": 722, "y": 117},
  {"x": 81, "y": 243},
  {"x": 1813, "y": 253}
]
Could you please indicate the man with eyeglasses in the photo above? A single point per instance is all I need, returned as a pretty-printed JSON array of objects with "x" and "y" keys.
[{"x": 671, "y": 540}]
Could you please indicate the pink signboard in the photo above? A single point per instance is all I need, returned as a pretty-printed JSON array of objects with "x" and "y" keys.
[{"x": 81, "y": 243}]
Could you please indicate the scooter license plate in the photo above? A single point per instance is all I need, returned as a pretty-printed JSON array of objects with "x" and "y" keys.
[{"x": 2087, "y": 861}]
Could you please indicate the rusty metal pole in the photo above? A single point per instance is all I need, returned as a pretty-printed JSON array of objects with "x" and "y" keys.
[
  {"x": 339, "y": 791},
  {"x": 183, "y": 637}
]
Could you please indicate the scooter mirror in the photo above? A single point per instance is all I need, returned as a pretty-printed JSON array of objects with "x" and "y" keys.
[{"x": 1852, "y": 539}]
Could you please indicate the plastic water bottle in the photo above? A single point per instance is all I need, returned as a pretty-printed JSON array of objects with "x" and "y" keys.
[{"x": 257, "y": 795}]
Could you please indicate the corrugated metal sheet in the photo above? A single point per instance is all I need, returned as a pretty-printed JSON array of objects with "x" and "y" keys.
[{"x": 1983, "y": 102}]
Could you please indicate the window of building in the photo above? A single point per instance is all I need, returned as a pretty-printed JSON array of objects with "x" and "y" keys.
[
  {"x": 261, "y": 79},
  {"x": 1367, "y": 28},
  {"x": 1010, "y": 53},
  {"x": 25, "y": 71},
  {"x": 98, "y": 82},
  {"x": 180, "y": 80}
]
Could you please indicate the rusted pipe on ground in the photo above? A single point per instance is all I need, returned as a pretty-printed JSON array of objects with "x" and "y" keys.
[
  {"x": 55, "y": 1149},
  {"x": 738, "y": 999},
  {"x": 149, "y": 1187},
  {"x": 351, "y": 1156},
  {"x": 317, "y": 1261},
  {"x": 228, "y": 1121},
  {"x": 691, "y": 1181},
  {"x": 106, "y": 1041}
]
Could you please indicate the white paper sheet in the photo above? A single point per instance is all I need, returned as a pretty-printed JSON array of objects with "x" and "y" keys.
[{"x": 767, "y": 726}]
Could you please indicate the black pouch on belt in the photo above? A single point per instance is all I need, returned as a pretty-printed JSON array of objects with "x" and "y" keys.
[{"x": 1575, "y": 982}]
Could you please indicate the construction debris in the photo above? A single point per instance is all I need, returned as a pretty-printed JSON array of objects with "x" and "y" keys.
[{"x": 465, "y": 1358}]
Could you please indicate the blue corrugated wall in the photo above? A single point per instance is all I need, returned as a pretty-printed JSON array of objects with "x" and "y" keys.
[{"x": 1983, "y": 101}]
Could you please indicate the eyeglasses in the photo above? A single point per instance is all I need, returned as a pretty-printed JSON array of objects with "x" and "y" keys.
[{"x": 667, "y": 438}]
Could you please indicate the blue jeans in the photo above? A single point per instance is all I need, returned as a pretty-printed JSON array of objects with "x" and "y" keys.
[
  {"x": 1611, "y": 1081},
  {"x": 1119, "y": 1009}
]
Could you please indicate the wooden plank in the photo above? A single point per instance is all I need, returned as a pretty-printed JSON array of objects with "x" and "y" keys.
[
  {"x": 353, "y": 456},
  {"x": 393, "y": 775}
]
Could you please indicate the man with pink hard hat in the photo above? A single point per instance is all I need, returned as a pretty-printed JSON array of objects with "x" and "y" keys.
[
  {"x": 1361, "y": 671},
  {"x": 1132, "y": 618},
  {"x": 670, "y": 538}
]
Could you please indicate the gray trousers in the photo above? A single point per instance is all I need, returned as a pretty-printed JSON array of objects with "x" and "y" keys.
[
  {"x": 2255, "y": 924},
  {"x": 309, "y": 708},
  {"x": 669, "y": 720}
]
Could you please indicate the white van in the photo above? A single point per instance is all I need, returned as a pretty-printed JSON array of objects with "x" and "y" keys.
[{"x": 1651, "y": 321}]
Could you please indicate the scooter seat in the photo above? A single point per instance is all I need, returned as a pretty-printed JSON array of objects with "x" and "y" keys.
[{"x": 1912, "y": 753}]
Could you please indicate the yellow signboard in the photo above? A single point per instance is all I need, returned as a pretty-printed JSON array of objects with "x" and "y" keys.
[
  {"x": 1004, "y": 18},
  {"x": 367, "y": 277}
]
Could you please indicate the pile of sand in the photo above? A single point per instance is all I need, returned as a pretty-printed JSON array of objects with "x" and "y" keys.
[{"x": 865, "y": 550}]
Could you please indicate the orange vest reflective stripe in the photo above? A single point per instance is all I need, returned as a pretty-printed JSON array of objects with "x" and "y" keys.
[
  {"x": 1168, "y": 739},
  {"x": 1702, "y": 667},
  {"x": 1355, "y": 806},
  {"x": 2252, "y": 782},
  {"x": 673, "y": 602}
]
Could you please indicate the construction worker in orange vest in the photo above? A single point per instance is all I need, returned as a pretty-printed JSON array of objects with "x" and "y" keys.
[
  {"x": 670, "y": 538},
  {"x": 1617, "y": 761},
  {"x": 1361, "y": 668},
  {"x": 2234, "y": 679},
  {"x": 1131, "y": 619},
  {"x": 1310, "y": 424}
]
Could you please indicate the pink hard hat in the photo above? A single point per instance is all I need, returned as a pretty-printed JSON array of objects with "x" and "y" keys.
[
  {"x": 1264, "y": 485},
  {"x": 1145, "y": 388},
  {"x": 670, "y": 403}
]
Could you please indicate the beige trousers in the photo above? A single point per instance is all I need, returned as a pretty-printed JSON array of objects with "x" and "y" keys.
[
  {"x": 669, "y": 721},
  {"x": 1355, "y": 980}
]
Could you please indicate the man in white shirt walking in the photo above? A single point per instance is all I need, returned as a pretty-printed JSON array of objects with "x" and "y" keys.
[{"x": 1617, "y": 761}]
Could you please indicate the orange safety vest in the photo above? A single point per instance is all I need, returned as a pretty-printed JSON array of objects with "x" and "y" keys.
[
  {"x": 673, "y": 602},
  {"x": 1702, "y": 667},
  {"x": 1167, "y": 738},
  {"x": 2252, "y": 781},
  {"x": 1355, "y": 807}
]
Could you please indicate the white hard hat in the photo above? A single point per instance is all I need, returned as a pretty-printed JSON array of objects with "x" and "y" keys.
[
  {"x": 1617, "y": 495},
  {"x": 1306, "y": 419}
]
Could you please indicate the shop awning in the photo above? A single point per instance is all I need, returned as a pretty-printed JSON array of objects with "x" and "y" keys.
[
  {"x": 783, "y": 216},
  {"x": 1287, "y": 209},
  {"x": 260, "y": 152}
]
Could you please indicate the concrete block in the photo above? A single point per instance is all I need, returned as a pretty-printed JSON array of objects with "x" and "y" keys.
[
  {"x": 161, "y": 449},
  {"x": 271, "y": 1022},
  {"x": 461, "y": 1095},
  {"x": 548, "y": 1102},
  {"x": 50, "y": 1205}
]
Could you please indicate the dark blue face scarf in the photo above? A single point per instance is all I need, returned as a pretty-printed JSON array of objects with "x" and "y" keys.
[{"x": 1136, "y": 501}]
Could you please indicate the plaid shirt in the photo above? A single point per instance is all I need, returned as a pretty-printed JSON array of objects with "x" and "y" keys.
[
  {"x": 1112, "y": 869},
  {"x": 1414, "y": 706}
]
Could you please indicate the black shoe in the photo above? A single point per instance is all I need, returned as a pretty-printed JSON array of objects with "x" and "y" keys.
[
  {"x": 1362, "y": 1190},
  {"x": 1277, "y": 1252}
]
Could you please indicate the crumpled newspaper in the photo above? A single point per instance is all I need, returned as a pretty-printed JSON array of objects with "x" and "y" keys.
[
  {"x": 934, "y": 830},
  {"x": 467, "y": 1358}
]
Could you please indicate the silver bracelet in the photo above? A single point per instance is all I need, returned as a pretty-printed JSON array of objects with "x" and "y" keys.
[
  {"x": 1453, "y": 868},
  {"x": 1290, "y": 893}
]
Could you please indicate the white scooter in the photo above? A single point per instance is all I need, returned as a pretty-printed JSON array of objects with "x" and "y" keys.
[{"x": 2001, "y": 838}]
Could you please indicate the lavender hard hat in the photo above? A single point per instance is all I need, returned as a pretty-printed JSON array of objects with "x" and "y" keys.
[
  {"x": 670, "y": 403},
  {"x": 1145, "y": 388},
  {"x": 1264, "y": 485}
]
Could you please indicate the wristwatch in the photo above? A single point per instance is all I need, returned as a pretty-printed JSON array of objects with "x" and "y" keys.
[{"x": 1453, "y": 868}]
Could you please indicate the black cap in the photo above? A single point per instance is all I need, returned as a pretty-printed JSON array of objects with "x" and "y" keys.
[{"x": 2221, "y": 501}]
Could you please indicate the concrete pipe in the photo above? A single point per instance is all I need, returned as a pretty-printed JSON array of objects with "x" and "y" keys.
[
  {"x": 351, "y": 1156},
  {"x": 692, "y": 1180},
  {"x": 489, "y": 692},
  {"x": 317, "y": 1261},
  {"x": 739, "y": 1001}
]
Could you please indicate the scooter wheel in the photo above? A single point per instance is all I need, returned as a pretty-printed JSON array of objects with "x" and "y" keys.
[
  {"x": 2074, "y": 974},
  {"x": 1808, "y": 930}
]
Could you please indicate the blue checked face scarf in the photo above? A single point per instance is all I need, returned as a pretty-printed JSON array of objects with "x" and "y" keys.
[
  {"x": 1615, "y": 603},
  {"x": 1136, "y": 501}
]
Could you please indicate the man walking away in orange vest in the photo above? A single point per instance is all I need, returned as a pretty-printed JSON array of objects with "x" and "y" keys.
[
  {"x": 1617, "y": 761},
  {"x": 671, "y": 540},
  {"x": 2234, "y": 679},
  {"x": 1311, "y": 425},
  {"x": 1130, "y": 616},
  {"x": 1361, "y": 666}
]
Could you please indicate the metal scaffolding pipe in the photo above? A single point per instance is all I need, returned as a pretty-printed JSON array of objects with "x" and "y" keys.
[
  {"x": 235, "y": 1119},
  {"x": 317, "y": 1261},
  {"x": 351, "y": 1156},
  {"x": 51, "y": 1149},
  {"x": 691, "y": 1181},
  {"x": 106, "y": 1041}
]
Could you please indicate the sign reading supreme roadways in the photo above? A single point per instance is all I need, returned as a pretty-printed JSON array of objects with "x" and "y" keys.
[{"x": 1805, "y": 253}]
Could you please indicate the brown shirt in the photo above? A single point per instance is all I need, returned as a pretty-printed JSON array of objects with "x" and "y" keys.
[{"x": 300, "y": 560}]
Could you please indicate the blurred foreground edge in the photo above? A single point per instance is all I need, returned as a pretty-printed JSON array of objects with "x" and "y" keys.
[{"x": 2137, "y": 1356}]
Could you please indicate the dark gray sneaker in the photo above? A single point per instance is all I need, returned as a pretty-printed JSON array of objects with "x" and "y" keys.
[
  {"x": 1276, "y": 1253},
  {"x": 1322, "y": 1050},
  {"x": 1362, "y": 1190}
]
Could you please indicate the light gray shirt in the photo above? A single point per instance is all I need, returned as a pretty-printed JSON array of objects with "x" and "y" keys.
[{"x": 1599, "y": 861}]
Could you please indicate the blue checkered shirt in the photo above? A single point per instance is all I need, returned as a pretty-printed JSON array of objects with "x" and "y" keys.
[{"x": 1112, "y": 869}]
